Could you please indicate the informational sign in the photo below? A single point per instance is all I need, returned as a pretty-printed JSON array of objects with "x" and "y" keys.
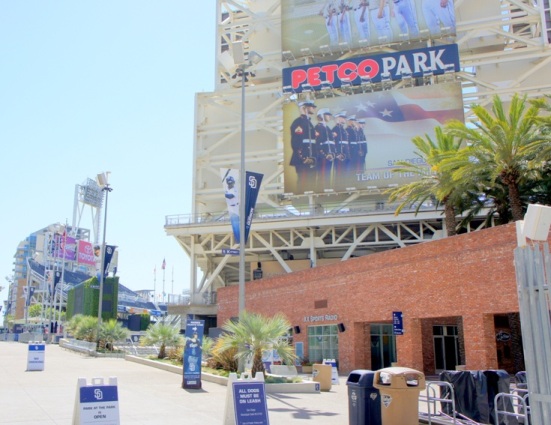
[
  {"x": 246, "y": 401},
  {"x": 36, "y": 355},
  {"x": 193, "y": 354},
  {"x": 97, "y": 403},
  {"x": 250, "y": 403},
  {"x": 334, "y": 370},
  {"x": 397, "y": 323},
  {"x": 229, "y": 251}
]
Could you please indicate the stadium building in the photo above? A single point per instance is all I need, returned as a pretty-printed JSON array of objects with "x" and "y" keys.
[{"x": 398, "y": 79}]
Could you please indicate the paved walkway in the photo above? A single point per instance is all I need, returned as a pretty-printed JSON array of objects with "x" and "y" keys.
[{"x": 146, "y": 395}]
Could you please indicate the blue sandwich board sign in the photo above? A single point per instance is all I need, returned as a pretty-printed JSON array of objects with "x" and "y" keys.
[{"x": 250, "y": 403}]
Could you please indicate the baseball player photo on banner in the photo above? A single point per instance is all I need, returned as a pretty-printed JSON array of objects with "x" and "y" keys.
[
  {"x": 354, "y": 141},
  {"x": 328, "y": 26}
]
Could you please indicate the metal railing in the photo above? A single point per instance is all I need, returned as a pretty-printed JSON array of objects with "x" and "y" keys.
[{"x": 296, "y": 212}]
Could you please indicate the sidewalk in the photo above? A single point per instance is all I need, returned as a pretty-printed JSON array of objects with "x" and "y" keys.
[{"x": 146, "y": 395}]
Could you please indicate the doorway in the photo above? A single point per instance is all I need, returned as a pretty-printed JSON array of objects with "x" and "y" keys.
[
  {"x": 383, "y": 346},
  {"x": 446, "y": 347}
]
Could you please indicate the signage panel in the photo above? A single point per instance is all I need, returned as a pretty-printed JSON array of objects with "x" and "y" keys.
[
  {"x": 344, "y": 143},
  {"x": 397, "y": 323},
  {"x": 330, "y": 27},
  {"x": 394, "y": 65}
]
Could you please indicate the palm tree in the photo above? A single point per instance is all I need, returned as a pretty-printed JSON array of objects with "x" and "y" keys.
[
  {"x": 111, "y": 332},
  {"x": 434, "y": 182},
  {"x": 253, "y": 334},
  {"x": 85, "y": 328},
  {"x": 163, "y": 335},
  {"x": 502, "y": 148}
]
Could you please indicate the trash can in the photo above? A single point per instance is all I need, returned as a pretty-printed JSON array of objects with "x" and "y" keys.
[
  {"x": 322, "y": 373},
  {"x": 399, "y": 388},
  {"x": 364, "y": 400}
]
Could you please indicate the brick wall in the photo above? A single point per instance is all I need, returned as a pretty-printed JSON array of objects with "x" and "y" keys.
[{"x": 470, "y": 276}]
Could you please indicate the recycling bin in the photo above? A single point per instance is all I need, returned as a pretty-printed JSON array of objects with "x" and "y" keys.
[
  {"x": 364, "y": 400},
  {"x": 399, "y": 388},
  {"x": 322, "y": 373}
]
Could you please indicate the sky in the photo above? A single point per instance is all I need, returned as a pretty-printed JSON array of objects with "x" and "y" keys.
[{"x": 94, "y": 86}]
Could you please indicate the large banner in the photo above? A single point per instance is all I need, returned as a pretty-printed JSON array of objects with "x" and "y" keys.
[
  {"x": 353, "y": 142},
  {"x": 230, "y": 181},
  {"x": 371, "y": 69},
  {"x": 85, "y": 254},
  {"x": 62, "y": 246},
  {"x": 193, "y": 353},
  {"x": 324, "y": 27}
]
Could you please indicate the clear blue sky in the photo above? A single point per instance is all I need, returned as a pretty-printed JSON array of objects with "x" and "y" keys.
[{"x": 92, "y": 86}]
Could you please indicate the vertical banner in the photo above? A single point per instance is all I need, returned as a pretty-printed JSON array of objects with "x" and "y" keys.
[
  {"x": 108, "y": 256},
  {"x": 193, "y": 354},
  {"x": 230, "y": 181},
  {"x": 251, "y": 195}
]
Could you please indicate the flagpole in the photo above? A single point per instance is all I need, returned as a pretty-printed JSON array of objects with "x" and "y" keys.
[
  {"x": 164, "y": 267},
  {"x": 155, "y": 285}
]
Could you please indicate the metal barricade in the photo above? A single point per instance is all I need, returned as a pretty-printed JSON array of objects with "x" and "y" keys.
[
  {"x": 431, "y": 398},
  {"x": 521, "y": 409}
]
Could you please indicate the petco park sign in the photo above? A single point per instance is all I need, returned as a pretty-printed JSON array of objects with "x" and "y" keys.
[{"x": 415, "y": 63}]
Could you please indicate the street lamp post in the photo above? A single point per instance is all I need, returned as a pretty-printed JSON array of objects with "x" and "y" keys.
[
  {"x": 103, "y": 181},
  {"x": 254, "y": 58}
]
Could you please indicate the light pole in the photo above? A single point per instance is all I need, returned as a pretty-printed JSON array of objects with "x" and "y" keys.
[
  {"x": 103, "y": 181},
  {"x": 254, "y": 58}
]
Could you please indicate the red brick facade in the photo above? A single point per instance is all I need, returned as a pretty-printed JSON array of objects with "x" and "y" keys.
[{"x": 463, "y": 280}]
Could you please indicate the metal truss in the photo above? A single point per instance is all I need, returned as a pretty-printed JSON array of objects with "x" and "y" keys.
[{"x": 504, "y": 49}]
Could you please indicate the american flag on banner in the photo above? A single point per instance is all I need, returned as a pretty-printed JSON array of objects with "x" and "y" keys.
[{"x": 164, "y": 264}]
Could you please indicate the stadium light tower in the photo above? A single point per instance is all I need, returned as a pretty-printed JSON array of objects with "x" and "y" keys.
[{"x": 103, "y": 182}]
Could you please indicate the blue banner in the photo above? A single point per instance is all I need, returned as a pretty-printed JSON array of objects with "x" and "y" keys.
[
  {"x": 252, "y": 188},
  {"x": 414, "y": 63},
  {"x": 230, "y": 180},
  {"x": 193, "y": 353}
]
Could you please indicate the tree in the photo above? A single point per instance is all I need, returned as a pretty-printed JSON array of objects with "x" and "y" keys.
[
  {"x": 434, "y": 182},
  {"x": 163, "y": 335},
  {"x": 253, "y": 334},
  {"x": 111, "y": 332},
  {"x": 502, "y": 148},
  {"x": 86, "y": 328},
  {"x": 35, "y": 310}
]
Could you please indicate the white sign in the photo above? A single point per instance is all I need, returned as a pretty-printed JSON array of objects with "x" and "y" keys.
[
  {"x": 35, "y": 357},
  {"x": 97, "y": 403}
]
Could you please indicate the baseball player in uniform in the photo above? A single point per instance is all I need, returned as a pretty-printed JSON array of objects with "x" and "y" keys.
[
  {"x": 231, "y": 193},
  {"x": 303, "y": 144},
  {"x": 439, "y": 14},
  {"x": 345, "y": 30},
  {"x": 330, "y": 15},
  {"x": 361, "y": 17},
  {"x": 380, "y": 16},
  {"x": 406, "y": 18}
]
